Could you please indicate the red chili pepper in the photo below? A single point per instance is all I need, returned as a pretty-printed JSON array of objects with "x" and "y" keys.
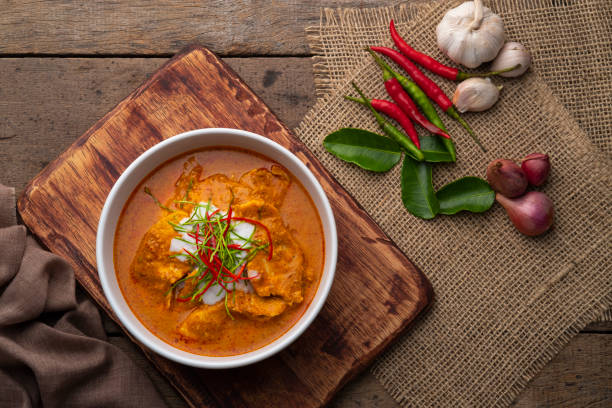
[
  {"x": 397, "y": 93},
  {"x": 213, "y": 272},
  {"x": 238, "y": 276},
  {"x": 236, "y": 246},
  {"x": 391, "y": 131},
  {"x": 228, "y": 219},
  {"x": 195, "y": 236},
  {"x": 219, "y": 282},
  {"x": 250, "y": 221},
  {"x": 434, "y": 66},
  {"x": 213, "y": 263},
  {"x": 428, "y": 86},
  {"x": 208, "y": 285},
  {"x": 211, "y": 214},
  {"x": 424, "y": 60},
  {"x": 394, "y": 112},
  {"x": 216, "y": 262}
]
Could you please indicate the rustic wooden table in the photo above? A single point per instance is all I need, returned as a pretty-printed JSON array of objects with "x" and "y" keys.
[{"x": 63, "y": 64}]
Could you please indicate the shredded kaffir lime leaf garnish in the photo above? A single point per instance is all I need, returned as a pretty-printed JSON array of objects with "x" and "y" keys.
[
  {"x": 148, "y": 192},
  {"x": 187, "y": 191},
  {"x": 218, "y": 252}
]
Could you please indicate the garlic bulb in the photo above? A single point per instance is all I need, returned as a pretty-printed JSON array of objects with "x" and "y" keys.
[
  {"x": 475, "y": 95},
  {"x": 511, "y": 54},
  {"x": 470, "y": 34}
]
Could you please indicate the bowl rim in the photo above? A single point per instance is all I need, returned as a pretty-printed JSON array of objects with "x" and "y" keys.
[{"x": 174, "y": 353}]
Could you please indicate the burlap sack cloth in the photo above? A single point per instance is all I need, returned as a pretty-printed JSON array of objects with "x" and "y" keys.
[
  {"x": 53, "y": 349},
  {"x": 505, "y": 303}
]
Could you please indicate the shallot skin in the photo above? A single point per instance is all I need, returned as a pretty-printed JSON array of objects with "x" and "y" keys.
[
  {"x": 536, "y": 167},
  {"x": 532, "y": 214},
  {"x": 506, "y": 177}
]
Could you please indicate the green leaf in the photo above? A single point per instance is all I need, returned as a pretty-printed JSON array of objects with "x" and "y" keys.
[
  {"x": 366, "y": 149},
  {"x": 450, "y": 147},
  {"x": 468, "y": 193},
  {"x": 434, "y": 149},
  {"x": 417, "y": 189}
]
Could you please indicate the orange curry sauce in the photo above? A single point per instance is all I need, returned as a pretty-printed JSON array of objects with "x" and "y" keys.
[{"x": 164, "y": 317}]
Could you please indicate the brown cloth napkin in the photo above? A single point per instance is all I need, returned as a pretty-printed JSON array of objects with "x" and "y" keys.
[{"x": 53, "y": 349}]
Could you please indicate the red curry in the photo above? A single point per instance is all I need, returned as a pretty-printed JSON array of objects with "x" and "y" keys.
[{"x": 219, "y": 252}]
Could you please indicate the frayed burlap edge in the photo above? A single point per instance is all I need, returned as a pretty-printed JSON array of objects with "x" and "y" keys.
[
  {"x": 574, "y": 60},
  {"x": 325, "y": 85},
  {"x": 604, "y": 317},
  {"x": 597, "y": 310},
  {"x": 342, "y": 17},
  {"x": 595, "y": 313}
]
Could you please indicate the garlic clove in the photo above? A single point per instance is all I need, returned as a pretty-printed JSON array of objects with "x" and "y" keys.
[
  {"x": 470, "y": 34},
  {"x": 475, "y": 95},
  {"x": 511, "y": 54}
]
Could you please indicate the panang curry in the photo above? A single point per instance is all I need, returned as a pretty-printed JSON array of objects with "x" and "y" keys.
[{"x": 219, "y": 252}]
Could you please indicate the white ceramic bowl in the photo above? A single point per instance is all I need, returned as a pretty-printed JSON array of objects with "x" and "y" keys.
[{"x": 174, "y": 147}]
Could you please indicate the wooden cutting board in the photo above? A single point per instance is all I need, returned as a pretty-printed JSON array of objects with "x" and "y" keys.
[{"x": 377, "y": 291}]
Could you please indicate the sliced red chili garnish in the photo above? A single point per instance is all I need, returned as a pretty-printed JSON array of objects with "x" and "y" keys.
[
  {"x": 210, "y": 258},
  {"x": 250, "y": 221}
]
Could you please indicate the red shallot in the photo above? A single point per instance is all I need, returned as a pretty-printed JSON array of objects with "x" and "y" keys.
[
  {"x": 536, "y": 167},
  {"x": 531, "y": 214},
  {"x": 506, "y": 177}
]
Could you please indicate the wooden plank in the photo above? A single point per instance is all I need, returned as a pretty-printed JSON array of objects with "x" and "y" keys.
[
  {"x": 368, "y": 305},
  {"x": 579, "y": 376},
  {"x": 145, "y": 27},
  {"x": 599, "y": 327},
  {"x": 35, "y": 94},
  {"x": 46, "y": 103},
  {"x": 363, "y": 391}
]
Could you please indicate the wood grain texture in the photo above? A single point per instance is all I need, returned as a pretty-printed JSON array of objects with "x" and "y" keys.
[
  {"x": 195, "y": 90},
  {"x": 49, "y": 102},
  {"x": 145, "y": 27},
  {"x": 579, "y": 376},
  {"x": 600, "y": 327},
  {"x": 576, "y": 377},
  {"x": 46, "y": 103}
]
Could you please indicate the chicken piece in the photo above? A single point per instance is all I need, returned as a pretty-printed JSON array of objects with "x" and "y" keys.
[
  {"x": 220, "y": 190},
  {"x": 184, "y": 289},
  {"x": 184, "y": 186},
  {"x": 283, "y": 274},
  {"x": 152, "y": 265},
  {"x": 205, "y": 322},
  {"x": 309, "y": 273},
  {"x": 208, "y": 322},
  {"x": 269, "y": 185},
  {"x": 254, "y": 306}
]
